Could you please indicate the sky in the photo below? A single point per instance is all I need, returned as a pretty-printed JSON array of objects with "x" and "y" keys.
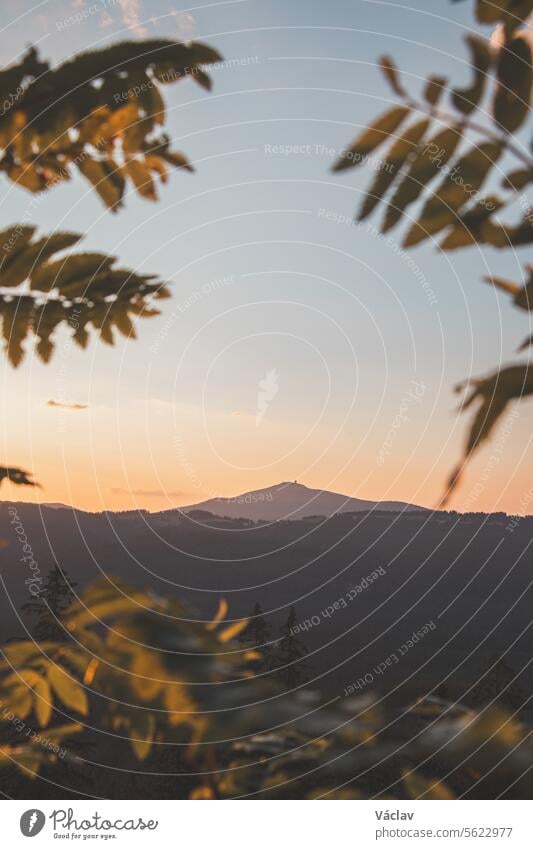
[{"x": 297, "y": 345}]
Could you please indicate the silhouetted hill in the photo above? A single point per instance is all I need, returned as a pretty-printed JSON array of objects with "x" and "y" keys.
[
  {"x": 362, "y": 584},
  {"x": 292, "y": 501}
]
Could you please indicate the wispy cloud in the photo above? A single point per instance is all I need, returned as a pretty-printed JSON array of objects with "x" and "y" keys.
[
  {"x": 131, "y": 15},
  {"x": 185, "y": 24},
  {"x": 106, "y": 21},
  {"x": 148, "y": 493},
  {"x": 65, "y": 406}
]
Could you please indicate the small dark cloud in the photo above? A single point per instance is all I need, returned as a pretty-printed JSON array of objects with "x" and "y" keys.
[
  {"x": 65, "y": 406},
  {"x": 148, "y": 493}
]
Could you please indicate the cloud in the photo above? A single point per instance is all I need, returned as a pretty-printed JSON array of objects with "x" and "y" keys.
[
  {"x": 148, "y": 493},
  {"x": 131, "y": 15},
  {"x": 65, "y": 406},
  {"x": 105, "y": 21},
  {"x": 185, "y": 24}
]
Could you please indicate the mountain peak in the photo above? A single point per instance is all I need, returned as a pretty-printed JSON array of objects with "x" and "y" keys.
[{"x": 291, "y": 500}]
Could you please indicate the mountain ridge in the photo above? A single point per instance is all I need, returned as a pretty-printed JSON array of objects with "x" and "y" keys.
[{"x": 292, "y": 501}]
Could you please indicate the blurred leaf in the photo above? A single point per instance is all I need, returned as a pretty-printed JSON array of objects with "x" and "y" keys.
[
  {"x": 434, "y": 89},
  {"x": 82, "y": 613},
  {"x": 141, "y": 178},
  {"x": 17, "y": 698},
  {"x": 42, "y": 702},
  {"x": 75, "y": 291},
  {"x": 493, "y": 395},
  {"x": 371, "y": 138},
  {"x": 511, "y": 13},
  {"x": 67, "y": 689},
  {"x": 106, "y": 179},
  {"x": 16, "y": 476},
  {"x": 89, "y": 111},
  {"x": 420, "y": 787},
  {"x": 141, "y": 728},
  {"x": 461, "y": 183},
  {"x": 147, "y": 675},
  {"x": 426, "y": 164},
  {"x": 513, "y": 91},
  {"x": 522, "y": 295},
  {"x": 392, "y": 75},
  {"x": 232, "y": 631},
  {"x": 473, "y": 226},
  {"x": 518, "y": 179},
  {"x": 219, "y": 615},
  {"x": 395, "y": 157},
  {"x": 490, "y": 11},
  {"x": 467, "y": 99}
]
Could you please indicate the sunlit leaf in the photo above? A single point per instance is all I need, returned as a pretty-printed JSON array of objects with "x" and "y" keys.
[
  {"x": 420, "y": 787},
  {"x": 69, "y": 691}
]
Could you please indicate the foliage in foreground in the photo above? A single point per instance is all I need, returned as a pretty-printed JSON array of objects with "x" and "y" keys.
[
  {"x": 133, "y": 670},
  {"x": 41, "y": 291},
  {"x": 97, "y": 114},
  {"x": 438, "y": 164}
]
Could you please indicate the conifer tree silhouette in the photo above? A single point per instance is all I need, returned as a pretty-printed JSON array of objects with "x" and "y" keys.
[
  {"x": 287, "y": 661},
  {"x": 55, "y": 596}
]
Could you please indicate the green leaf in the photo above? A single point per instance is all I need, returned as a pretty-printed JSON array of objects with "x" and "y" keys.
[
  {"x": 69, "y": 691},
  {"x": 466, "y": 99},
  {"x": 371, "y": 138}
]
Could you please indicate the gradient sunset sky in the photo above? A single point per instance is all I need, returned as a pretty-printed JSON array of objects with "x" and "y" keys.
[{"x": 358, "y": 348}]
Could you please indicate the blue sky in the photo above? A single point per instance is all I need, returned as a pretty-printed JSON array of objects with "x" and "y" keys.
[{"x": 268, "y": 273}]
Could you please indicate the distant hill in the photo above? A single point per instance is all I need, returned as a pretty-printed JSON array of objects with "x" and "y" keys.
[
  {"x": 362, "y": 583},
  {"x": 50, "y": 505},
  {"x": 292, "y": 501}
]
